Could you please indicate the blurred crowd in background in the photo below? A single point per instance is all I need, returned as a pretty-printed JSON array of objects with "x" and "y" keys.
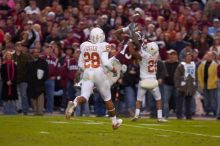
[{"x": 40, "y": 39}]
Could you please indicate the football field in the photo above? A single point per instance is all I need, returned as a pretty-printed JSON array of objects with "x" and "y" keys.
[{"x": 92, "y": 131}]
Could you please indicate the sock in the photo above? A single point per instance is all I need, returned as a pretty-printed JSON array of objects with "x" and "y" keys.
[
  {"x": 159, "y": 114},
  {"x": 137, "y": 112},
  {"x": 114, "y": 119},
  {"x": 75, "y": 103}
]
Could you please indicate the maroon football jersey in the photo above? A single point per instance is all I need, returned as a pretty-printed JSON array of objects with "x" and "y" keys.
[{"x": 124, "y": 56}]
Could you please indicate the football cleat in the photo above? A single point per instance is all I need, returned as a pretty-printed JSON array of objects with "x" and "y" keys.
[
  {"x": 162, "y": 120},
  {"x": 69, "y": 110},
  {"x": 135, "y": 119},
  {"x": 117, "y": 124}
]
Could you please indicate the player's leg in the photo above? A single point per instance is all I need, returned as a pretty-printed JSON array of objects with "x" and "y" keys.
[
  {"x": 140, "y": 96},
  {"x": 157, "y": 97},
  {"x": 86, "y": 90},
  {"x": 116, "y": 123},
  {"x": 105, "y": 92}
]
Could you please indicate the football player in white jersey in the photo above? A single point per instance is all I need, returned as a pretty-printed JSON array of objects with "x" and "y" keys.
[
  {"x": 149, "y": 54},
  {"x": 93, "y": 60}
]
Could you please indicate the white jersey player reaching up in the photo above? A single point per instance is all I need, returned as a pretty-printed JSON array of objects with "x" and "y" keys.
[
  {"x": 92, "y": 61},
  {"x": 149, "y": 54}
]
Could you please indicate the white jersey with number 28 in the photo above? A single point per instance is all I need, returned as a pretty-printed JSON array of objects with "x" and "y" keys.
[{"x": 91, "y": 54}]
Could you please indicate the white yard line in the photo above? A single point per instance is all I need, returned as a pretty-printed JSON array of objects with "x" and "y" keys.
[
  {"x": 93, "y": 123},
  {"x": 163, "y": 135},
  {"x": 174, "y": 131},
  {"x": 88, "y": 122},
  {"x": 149, "y": 124},
  {"x": 59, "y": 122},
  {"x": 143, "y": 126},
  {"x": 44, "y": 132},
  {"x": 164, "y": 130}
]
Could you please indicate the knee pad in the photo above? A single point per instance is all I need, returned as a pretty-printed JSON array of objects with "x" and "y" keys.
[{"x": 157, "y": 98}]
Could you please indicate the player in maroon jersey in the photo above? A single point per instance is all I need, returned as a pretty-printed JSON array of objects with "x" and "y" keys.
[{"x": 128, "y": 53}]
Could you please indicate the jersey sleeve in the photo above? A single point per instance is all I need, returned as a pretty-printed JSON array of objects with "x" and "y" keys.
[
  {"x": 104, "y": 55},
  {"x": 106, "y": 47},
  {"x": 106, "y": 61},
  {"x": 81, "y": 60}
]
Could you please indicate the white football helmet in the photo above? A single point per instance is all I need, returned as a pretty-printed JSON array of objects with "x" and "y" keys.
[
  {"x": 97, "y": 35},
  {"x": 151, "y": 48}
]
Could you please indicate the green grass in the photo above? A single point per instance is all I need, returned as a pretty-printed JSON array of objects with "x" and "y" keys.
[{"x": 82, "y": 131}]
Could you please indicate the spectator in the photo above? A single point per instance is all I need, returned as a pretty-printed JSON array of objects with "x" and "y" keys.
[
  {"x": 72, "y": 68},
  {"x": 186, "y": 85},
  {"x": 212, "y": 30},
  {"x": 53, "y": 36},
  {"x": 21, "y": 59},
  {"x": 37, "y": 71},
  {"x": 203, "y": 46},
  {"x": 207, "y": 77},
  {"x": 4, "y": 8},
  {"x": 10, "y": 26},
  {"x": 120, "y": 14},
  {"x": 179, "y": 44},
  {"x": 185, "y": 50},
  {"x": 112, "y": 18},
  {"x": 216, "y": 45},
  {"x": 104, "y": 25},
  {"x": 64, "y": 29},
  {"x": 51, "y": 60},
  {"x": 208, "y": 37},
  {"x": 151, "y": 33},
  {"x": 1, "y": 102},
  {"x": 212, "y": 9},
  {"x": 195, "y": 39},
  {"x": 9, "y": 89},
  {"x": 32, "y": 7},
  {"x": 29, "y": 35},
  {"x": 38, "y": 33},
  {"x": 169, "y": 88},
  {"x": 218, "y": 94},
  {"x": 196, "y": 59}
]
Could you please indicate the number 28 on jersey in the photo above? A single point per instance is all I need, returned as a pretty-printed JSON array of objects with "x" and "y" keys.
[{"x": 91, "y": 60}]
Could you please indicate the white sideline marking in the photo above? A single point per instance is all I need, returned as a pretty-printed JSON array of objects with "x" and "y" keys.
[
  {"x": 88, "y": 122},
  {"x": 44, "y": 132},
  {"x": 165, "y": 130},
  {"x": 143, "y": 127},
  {"x": 59, "y": 122},
  {"x": 175, "y": 131},
  {"x": 163, "y": 135},
  {"x": 92, "y": 123},
  {"x": 198, "y": 126},
  {"x": 152, "y": 125}
]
